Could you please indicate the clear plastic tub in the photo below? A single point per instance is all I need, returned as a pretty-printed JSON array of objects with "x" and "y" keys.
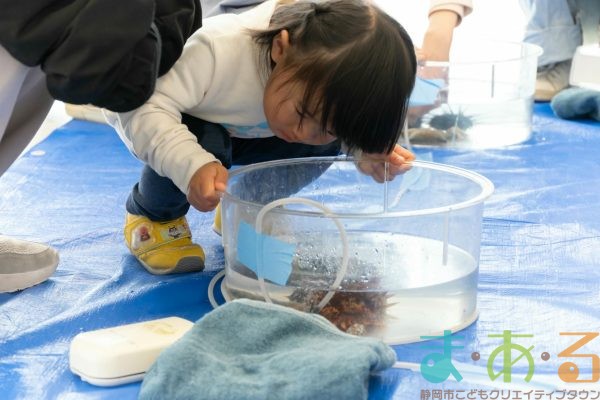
[
  {"x": 395, "y": 260},
  {"x": 484, "y": 96}
]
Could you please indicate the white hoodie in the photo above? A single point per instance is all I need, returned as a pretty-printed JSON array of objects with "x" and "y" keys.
[{"x": 216, "y": 79}]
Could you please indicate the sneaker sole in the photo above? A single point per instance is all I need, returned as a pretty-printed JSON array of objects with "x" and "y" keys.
[
  {"x": 186, "y": 264},
  {"x": 22, "y": 280}
]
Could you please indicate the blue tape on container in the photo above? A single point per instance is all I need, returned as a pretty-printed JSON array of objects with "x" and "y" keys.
[
  {"x": 417, "y": 178},
  {"x": 425, "y": 92},
  {"x": 277, "y": 255}
]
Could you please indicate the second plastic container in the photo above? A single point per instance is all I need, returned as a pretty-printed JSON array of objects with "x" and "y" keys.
[{"x": 482, "y": 98}]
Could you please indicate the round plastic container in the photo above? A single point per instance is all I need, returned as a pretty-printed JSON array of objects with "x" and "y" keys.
[
  {"x": 481, "y": 98},
  {"x": 395, "y": 260}
]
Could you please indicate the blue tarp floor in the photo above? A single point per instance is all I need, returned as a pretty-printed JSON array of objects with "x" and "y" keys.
[{"x": 539, "y": 267}]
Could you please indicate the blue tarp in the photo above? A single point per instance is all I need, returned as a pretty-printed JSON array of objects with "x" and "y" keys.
[{"x": 539, "y": 267}]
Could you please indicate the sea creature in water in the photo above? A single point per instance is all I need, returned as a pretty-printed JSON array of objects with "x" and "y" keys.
[
  {"x": 352, "y": 310},
  {"x": 441, "y": 126},
  {"x": 357, "y": 308}
]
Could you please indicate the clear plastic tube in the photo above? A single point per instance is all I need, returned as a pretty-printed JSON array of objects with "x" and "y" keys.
[
  {"x": 328, "y": 213},
  {"x": 258, "y": 226}
]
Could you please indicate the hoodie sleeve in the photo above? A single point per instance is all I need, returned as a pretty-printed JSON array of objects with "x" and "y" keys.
[
  {"x": 462, "y": 8},
  {"x": 154, "y": 132},
  {"x": 103, "y": 52}
]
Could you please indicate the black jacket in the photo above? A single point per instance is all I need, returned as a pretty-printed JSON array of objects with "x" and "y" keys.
[{"x": 104, "y": 52}]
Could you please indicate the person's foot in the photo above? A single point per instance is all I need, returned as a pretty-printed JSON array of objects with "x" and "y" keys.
[
  {"x": 24, "y": 264},
  {"x": 551, "y": 79},
  {"x": 163, "y": 247}
]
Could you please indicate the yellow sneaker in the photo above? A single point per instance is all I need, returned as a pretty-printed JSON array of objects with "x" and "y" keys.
[
  {"x": 217, "y": 222},
  {"x": 163, "y": 247}
]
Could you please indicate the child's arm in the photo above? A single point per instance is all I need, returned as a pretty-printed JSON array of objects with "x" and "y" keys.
[
  {"x": 154, "y": 132},
  {"x": 444, "y": 16}
]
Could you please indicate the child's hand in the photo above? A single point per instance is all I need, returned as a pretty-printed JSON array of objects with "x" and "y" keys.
[
  {"x": 205, "y": 185},
  {"x": 374, "y": 164}
]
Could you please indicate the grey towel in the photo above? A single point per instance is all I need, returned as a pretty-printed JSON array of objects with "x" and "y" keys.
[
  {"x": 247, "y": 350},
  {"x": 575, "y": 103}
]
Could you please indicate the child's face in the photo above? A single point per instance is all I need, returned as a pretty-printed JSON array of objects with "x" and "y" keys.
[{"x": 283, "y": 108}]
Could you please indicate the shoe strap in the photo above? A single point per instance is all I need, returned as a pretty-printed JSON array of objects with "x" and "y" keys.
[{"x": 148, "y": 235}]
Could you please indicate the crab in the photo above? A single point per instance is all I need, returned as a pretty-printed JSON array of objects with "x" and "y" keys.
[{"x": 353, "y": 310}]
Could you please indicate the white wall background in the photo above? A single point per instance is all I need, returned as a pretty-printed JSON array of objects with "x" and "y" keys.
[{"x": 493, "y": 19}]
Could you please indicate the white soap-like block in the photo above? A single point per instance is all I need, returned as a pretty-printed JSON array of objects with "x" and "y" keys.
[{"x": 123, "y": 354}]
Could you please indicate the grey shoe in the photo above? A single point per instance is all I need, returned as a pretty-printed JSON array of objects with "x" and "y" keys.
[
  {"x": 552, "y": 79},
  {"x": 24, "y": 264}
]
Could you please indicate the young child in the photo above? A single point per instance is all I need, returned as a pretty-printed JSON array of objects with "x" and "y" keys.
[{"x": 285, "y": 79}]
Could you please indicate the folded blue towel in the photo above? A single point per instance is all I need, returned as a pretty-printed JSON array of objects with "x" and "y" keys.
[
  {"x": 250, "y": 350},
  {"x": 575, "y": 103}
]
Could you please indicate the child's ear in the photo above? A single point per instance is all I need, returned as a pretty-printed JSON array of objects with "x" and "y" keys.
[{"x": 281, "y": 42}]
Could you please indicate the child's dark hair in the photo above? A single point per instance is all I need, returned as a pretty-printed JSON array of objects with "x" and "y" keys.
[{"x": 358, "y": 65}]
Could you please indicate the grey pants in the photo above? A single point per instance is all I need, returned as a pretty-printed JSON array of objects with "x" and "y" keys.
[{"x": 24, "y": 104}]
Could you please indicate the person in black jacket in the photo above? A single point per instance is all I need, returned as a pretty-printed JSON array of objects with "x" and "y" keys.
[{"x": 108, "y": 53}]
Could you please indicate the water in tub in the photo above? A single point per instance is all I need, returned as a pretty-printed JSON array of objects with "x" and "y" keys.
[{"x": 420, "y": 287}]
